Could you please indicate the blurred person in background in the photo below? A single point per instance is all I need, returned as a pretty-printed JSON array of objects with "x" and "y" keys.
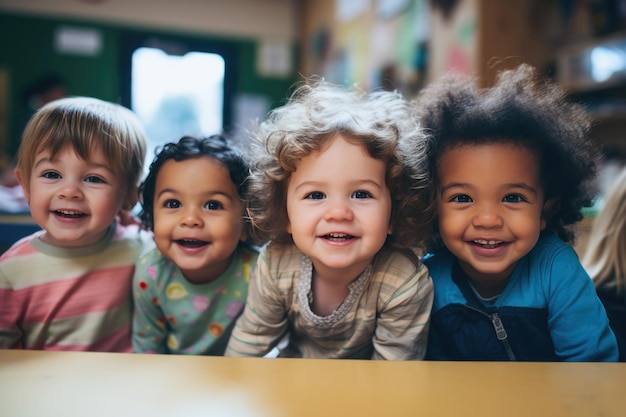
[{"x": 605, "y": 257}]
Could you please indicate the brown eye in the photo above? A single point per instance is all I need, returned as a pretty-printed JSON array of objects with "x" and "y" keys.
[
  {"x": 461, "y": 198},
  {"x": 172, "y": 204},
  {"x": 213, "y": 205}
]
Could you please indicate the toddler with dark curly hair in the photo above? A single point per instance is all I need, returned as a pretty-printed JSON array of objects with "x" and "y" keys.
[{"x": 511, "y": 167}]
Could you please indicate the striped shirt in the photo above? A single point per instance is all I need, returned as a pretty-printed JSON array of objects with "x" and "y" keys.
[
  {"x": 73, "y": 299},
  {"x": 385, "y": 315}
]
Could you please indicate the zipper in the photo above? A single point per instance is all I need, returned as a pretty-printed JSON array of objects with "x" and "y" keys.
[{"x": 500, "y": 331}]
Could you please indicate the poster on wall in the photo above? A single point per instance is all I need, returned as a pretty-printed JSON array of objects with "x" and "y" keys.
[{"x": 453, "y": 39}]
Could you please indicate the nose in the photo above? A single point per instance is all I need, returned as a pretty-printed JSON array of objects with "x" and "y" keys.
[
  {"x": 339, "y": 209},
  {"x": 191, "y": 218},
  {"x": 70, "y": 190},
  {"x": 487, "y": 215}
]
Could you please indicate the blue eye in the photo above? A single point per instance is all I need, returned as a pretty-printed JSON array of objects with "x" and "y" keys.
[
  {"x": 461, "y": 198},
  {"x": 95, "y": 180},
  {"x": 51, "y": 175},
  {"x": 361, "y": 194},
  {"x": 213, "y": 205},
  {"x": 315, "y": 195},
  {"x": 172, "y": 204}
]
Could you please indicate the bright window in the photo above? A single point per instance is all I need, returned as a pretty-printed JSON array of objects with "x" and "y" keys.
[{"x": 177, "y": 95}]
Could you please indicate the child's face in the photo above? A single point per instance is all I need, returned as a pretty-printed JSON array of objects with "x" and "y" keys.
[
  {"x": 339, "y": 207},
  {"x": 490, "y": 210},
  {"x": 198, "y": 219},
  {"x": 73, "y": 200}
]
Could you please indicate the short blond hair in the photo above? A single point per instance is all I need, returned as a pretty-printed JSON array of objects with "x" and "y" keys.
[{"x": 85, "y": 124}]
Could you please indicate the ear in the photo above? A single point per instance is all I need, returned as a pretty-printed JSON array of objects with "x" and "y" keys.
[
  {"x": 22, "y": 182},
  {"x": 130, "y": 200},
  {"x": 550, "y": 207}
]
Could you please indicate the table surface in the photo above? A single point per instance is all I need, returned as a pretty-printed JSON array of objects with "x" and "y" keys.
[{"x": 35, "y": 383}]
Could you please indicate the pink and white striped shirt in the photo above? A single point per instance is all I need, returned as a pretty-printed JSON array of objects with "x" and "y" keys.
[{"x": 73, "y": 299}]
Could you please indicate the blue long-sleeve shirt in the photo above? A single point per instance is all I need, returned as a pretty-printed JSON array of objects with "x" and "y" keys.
[{"x": 548, "y": 311}]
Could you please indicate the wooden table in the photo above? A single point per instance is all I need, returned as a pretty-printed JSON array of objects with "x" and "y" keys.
[{"x": 49, "y": 384}]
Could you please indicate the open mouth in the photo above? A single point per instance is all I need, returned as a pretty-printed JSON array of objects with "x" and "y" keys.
[
  {"x": 69, "y": 214},
  {"x": 191, "y": 243},
  {"x": 488, "y": 244},
  {"x": 338, "y": 237}
]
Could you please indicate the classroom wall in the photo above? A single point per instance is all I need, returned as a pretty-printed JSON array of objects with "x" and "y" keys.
[
  {"x": 27, "y": 50},
  {"x": 370, "y": 44},
  {"x": 233, "y": 18}
]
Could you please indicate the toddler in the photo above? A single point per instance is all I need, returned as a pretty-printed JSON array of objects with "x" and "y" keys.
[
  {"x": 511, "y": 167},
  {"x": 605, "y": 257},
  {"x": 67, "y": 287},
  {"x": 189, "y": 290},
  {"x": 329, "y": 190}
]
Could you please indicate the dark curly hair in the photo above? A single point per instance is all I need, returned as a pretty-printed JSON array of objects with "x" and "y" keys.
[
  {"x": 525, "y": 110},
  {"x": 216, "y": 147}
]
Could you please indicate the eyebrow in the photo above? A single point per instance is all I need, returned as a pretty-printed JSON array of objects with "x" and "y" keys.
[
  {"x": 41, "y": 161},
  {"x": 509, "y": 185},
  {"x": 89, "y": 164},
  {"x": 356, "y": 183},
  {"x": 208, "y": 193},
  {"x": 523, "y": 186}
]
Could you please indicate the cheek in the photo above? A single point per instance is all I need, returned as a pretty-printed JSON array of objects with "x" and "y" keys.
[
  {"x": 443, "y": 218},
  {"x": 161, "y": 226},
  {"x": 449, "y": 224},
  {"x": 111, "y": 200},
  {"x": 234, "y": 227},
  {"x": 290, "y": 217},
  {"x": 162, "y": 236}
]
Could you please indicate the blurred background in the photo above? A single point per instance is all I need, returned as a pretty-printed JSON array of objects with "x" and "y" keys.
[{"x": 208, "y": 66}]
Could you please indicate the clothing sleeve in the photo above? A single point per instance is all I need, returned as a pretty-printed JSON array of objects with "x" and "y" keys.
[
  {"x": 403, "y": 321},
  {"x": 264, "y": 319},
  {"x": 149, "y": 324},
  {"x": 10, "y": 307},
  {"x": 577, "y": 320}
]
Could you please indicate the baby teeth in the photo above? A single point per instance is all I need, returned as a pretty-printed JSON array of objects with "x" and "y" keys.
[{"x": 487, "y": 242}]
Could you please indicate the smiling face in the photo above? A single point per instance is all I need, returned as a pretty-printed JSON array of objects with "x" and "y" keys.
[
  {"x": 339, "y": 208},
  {"x": 490, "y": 210},
  {"x": 73, "y": 200},
  {"x": 198, "y": 220}
]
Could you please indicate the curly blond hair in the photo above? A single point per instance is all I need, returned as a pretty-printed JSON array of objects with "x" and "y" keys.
[{"x": 316, "y": 111}]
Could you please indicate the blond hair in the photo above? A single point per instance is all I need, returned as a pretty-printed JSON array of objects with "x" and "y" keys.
[
  {"x": 85, "y": 124},
  {"x": 317, "y": 111},
  {"x": 605, "y": 256}
]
